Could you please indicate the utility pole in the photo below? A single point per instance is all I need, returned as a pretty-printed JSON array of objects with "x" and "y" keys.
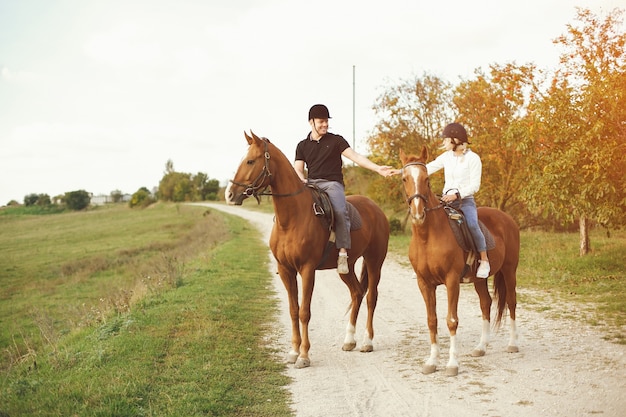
[{"x": 353, "y": 108}]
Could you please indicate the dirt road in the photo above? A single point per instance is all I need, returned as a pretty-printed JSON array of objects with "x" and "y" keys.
[{"x": 564, "y": 367}]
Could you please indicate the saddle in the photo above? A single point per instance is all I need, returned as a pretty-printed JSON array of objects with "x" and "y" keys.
[
  {"x": 461, "y": 232},
  {"x": 323, "y": 209}
]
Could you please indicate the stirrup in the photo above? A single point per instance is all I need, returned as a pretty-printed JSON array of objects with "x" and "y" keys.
[{"x": 318, "y": 210}]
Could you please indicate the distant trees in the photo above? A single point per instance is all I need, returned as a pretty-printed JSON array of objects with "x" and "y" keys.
[
  {"x": 37, "y": 200},
  {"x": 181, "y": 186},
  {"x": 174, "y": 186}
]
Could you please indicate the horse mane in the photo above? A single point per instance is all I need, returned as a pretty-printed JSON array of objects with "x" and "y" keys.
[{"x": 275, "y": 150}]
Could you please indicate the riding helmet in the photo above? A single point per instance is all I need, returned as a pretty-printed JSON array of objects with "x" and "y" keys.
[
  {"x": 319, "y": 111},
  {"x": 455, "y": 131}
]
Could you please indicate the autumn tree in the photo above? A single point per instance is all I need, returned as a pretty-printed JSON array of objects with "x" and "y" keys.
[{"x": 578, "y": 136}]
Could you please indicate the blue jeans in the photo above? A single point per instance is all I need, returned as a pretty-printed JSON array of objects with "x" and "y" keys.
[
  {"x": 336, "y": 194},
  {"x": 468, "y": 205}
]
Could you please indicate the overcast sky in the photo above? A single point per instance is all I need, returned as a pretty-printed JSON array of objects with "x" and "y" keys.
[{"x": 98, "y": 95}]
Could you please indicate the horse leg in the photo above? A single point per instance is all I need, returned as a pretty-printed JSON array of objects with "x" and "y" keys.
[
  {"x": 428, "y": 293},
  {"x": 372, "y": 300},
  {"x": 482, "y": 289},
  {"x": 510, "y": 281},
  {"x": 356, "y": 297},
  {"x": 290, "y": 282},
  {"x": 452, "y": 319},
  {"x": 308, "y": 282}
]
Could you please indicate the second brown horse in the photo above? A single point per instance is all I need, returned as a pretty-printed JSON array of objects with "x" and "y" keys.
[{"x": 438, "y": 259}]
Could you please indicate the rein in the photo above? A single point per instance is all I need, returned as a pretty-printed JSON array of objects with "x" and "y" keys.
[
  {"x": 423, "y": 197},
  {"x": 253, "y": 188}
]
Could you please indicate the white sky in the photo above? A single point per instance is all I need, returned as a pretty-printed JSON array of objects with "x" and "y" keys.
[{"x": 98, "y": 95}]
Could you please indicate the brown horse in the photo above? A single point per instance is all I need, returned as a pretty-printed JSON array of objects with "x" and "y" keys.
[
  {"x": 438, "y": 259},
  {"x": 298, "y": 242}
]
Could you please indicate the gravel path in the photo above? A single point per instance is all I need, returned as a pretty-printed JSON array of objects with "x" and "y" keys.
[{"x": 564, "y": 368}]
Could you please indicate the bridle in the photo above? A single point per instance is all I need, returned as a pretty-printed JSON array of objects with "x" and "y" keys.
[
  {"x": 256, "y": 187},
  {"x": 423, "y": 197}
]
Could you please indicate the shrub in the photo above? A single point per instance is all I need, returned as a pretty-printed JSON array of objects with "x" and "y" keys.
[
  {"x": 141, "y": 198},
  {"x": 77, "y": 200},
  {"x": 395, "y": 226}
]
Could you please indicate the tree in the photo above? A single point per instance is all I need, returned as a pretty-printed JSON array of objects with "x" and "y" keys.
[
  {"x": 211, "y": 190},
  {"x": 116, "y": 196},
  {"x": 181, "y": 186},
  {"x": 578, "y": 132},
  {"x": 42, "y": 200},
  {"x": 77, "y": 200},
  {"x": 30, "y": 199},
  {"x": 411, "y": 115}
]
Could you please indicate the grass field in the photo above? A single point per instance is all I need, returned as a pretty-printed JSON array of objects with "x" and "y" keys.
[
  {"x": 120, "y": 312},
  {"x": 166, "y": 310}
]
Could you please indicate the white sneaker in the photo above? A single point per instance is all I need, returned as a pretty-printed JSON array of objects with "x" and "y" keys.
[
  {"x": 342, "y": 265},
  {"x": 483, "y": 270}
]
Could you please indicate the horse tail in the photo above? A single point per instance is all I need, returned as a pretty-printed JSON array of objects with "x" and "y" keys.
[{"x": 499, "y": 294}]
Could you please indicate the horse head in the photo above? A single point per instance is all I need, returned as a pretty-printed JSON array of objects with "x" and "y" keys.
[
  {"x": 416, "y": 184},
  {"x": 253, "y": 175}
]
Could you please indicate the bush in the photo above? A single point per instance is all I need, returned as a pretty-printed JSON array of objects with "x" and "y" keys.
[
  {"x": 141, "y": 198},
  {"x": 395, "y": 226},
  {"x": 77, "y": 200}
]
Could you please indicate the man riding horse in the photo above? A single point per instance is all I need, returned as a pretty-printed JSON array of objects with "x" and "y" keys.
[{"x": 321, "y": 153}]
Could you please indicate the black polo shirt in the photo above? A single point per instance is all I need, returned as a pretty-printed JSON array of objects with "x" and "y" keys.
[{"x": 323, "y": 158}]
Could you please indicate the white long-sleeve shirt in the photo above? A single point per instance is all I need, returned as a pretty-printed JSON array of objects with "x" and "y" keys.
[{"x": 462, "y": 173}]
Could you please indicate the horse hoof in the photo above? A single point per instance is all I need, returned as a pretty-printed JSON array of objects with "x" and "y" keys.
[
  {"x": 302, "y": 363},
  {"x": 348, "y": 346},
  {"x": 452, "y": 370},
  {"x": 291, "y": 357},
  {"x": 428, "y": 369},
  {"x": 477, "y": 353},
  {"x": 512, "y": 349},
  {"x": 367, "y": 348}
]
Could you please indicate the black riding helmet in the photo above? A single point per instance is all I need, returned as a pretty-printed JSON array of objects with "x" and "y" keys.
[
  {"x": 455, "y": 131},
  {"x": 319, "y": 111}
]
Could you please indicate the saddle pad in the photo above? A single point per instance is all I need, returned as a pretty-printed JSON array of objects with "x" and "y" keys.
[
  {"x": 458, "y": 234},
  {"x": 355, "y": 217}
]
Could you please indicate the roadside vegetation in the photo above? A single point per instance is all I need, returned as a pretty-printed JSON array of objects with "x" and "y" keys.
[{"x": 114, "y": 311}]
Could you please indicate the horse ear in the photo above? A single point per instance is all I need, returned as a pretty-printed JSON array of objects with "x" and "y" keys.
[
  {"x": 402, "y": 156},
  {"x": 255, "y": 137},
  {"x": 248, "y": 138},
  {"x": 424, "y": 155}
]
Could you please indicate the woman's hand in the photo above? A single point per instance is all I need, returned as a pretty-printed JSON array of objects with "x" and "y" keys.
[{"x": 448, "y": 198}]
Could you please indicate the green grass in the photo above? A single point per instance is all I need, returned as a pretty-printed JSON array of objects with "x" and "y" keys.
[{"x": 195, "y": 344}]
